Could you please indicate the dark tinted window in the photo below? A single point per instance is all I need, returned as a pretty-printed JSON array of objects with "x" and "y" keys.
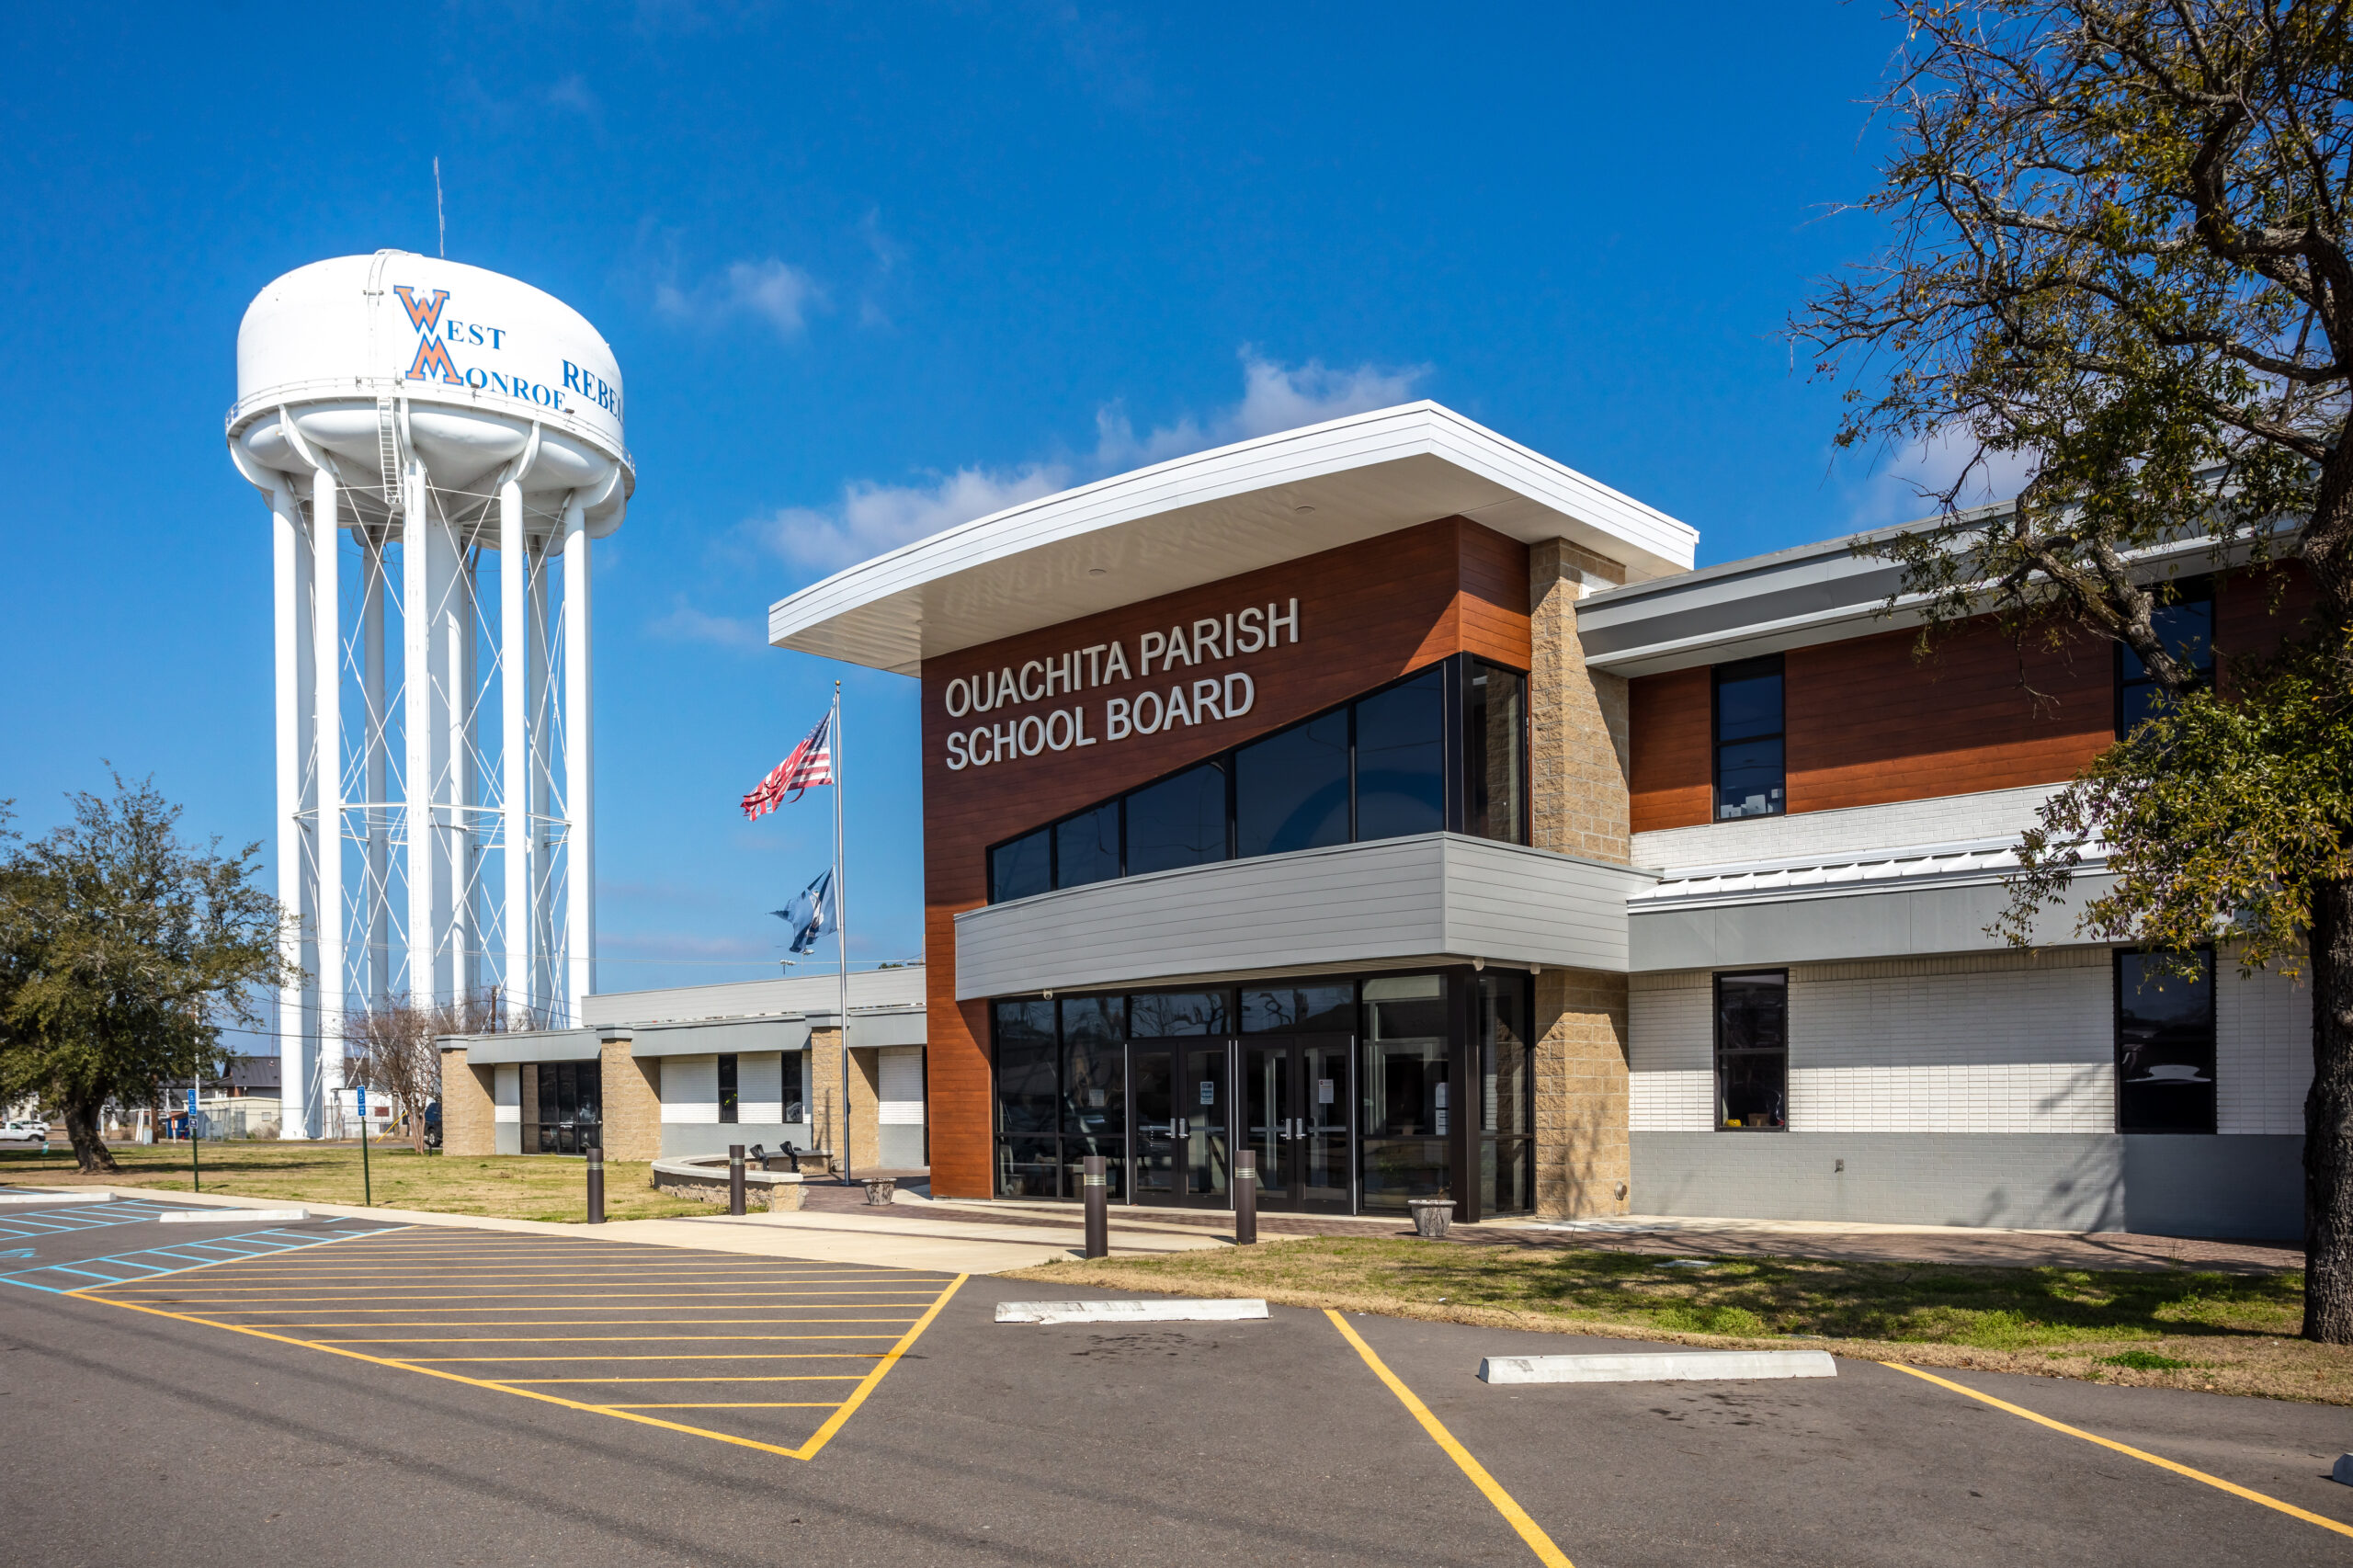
[
  {"x": 1025, "y": 1066},
  {"x": 1320, "y": 1008},
  {"x": 1401, "y": 759},
  {"x": 1094, "y": 1102},
  {"x": 1748, "y": 770},
  {"x": 1087, "y": 847},
  {"x": 2165, "y": 1046},
  {"x": 2185, "y": 627},
  {"x": 729, "y": 1104},
  {"x": 1495, "y": 726},
  {"x": 1020, "y": 868},
  {"x": 1290, "y": 791},
  {"x": 1753, "y": 1049},
  {"x": 1160, "y": 1014},
  {"x": 1179, "y": 822}
]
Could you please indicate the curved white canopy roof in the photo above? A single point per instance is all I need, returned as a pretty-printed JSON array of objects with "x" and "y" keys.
[{"x": 1214, "y": 514}]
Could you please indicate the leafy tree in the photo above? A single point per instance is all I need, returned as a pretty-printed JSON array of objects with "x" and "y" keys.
[
  {"x": 121, "y": 951},
  {"x": 2119, "y": 262}
]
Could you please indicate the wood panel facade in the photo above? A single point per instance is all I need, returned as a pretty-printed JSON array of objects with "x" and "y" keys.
[
  {"x": 1869, "y": 723},
  {"x": 1367, "y": 614}
]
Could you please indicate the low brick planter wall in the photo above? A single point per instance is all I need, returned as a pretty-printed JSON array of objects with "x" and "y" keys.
[{"x": 705, "y": 1180}]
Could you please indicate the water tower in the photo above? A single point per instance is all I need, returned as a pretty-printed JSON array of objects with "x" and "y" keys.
[{"x": 439, "y": 445}]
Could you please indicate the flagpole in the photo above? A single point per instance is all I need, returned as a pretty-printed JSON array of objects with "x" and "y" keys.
[{"x": 841, "y": 927}]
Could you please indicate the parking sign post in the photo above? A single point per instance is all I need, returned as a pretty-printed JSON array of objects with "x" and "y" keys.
[
  {"x": 366, "y": 1185},
  {"x": 195, "y": 1160}
]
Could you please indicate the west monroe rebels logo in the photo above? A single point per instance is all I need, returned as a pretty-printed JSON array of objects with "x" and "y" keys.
[
  {"x": 432, "y": 354},
  {"x": 435, "y": 333}
]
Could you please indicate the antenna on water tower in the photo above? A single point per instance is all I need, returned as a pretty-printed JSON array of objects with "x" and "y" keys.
[{"x": 440, "y": 218}]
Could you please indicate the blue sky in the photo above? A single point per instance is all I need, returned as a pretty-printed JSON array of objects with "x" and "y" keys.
[{"x": 870, "y": 270}]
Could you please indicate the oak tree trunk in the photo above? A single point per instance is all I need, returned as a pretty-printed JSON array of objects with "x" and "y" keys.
[
  {"x": 2328, "y": 1124},
  {"x": 82, "y": 1127}
]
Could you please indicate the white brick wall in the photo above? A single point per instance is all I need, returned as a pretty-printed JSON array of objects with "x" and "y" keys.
[
  {"x": 1976, "y": 1096},
  {"x": 1945, "y": 819},
  {"x": 1984, "y": 1042},
  {"x": 689, "y": 1089},
  {"x": 2263, "y": 1050}
]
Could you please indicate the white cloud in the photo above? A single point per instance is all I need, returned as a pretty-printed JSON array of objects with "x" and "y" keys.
[
  {"x": 1274, "y": 397},
  {"x": 776, "y": 292},
  {"x": 574, "y": 92},
  {"x": 683, "y": 623},
  {"x": 1911, "y": 484},
  {"x": 872, "y": 517}
]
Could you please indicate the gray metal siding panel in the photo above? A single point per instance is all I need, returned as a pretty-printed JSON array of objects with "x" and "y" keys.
[
  {"x": 887, "y": 1028},
  {"x": 503, "y": 1049},
  {"x": 733, "y": 1036},
  {"x": 1399, "y": 898},
  {"x": 1901, "y": 923},
  {"x": 2180, "y": 1185}
]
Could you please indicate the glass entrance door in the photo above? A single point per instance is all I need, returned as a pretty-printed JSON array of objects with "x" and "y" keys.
[
  {"x": 1184, "y": 1144},
  {"x": 1295, "y": 1105}
]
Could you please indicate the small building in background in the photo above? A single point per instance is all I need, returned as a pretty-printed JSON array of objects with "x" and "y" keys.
[{"x": 690, "y": 1070}]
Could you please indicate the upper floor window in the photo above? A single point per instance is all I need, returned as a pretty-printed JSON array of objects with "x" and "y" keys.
[
  {"x": 2165, "y": 1045},
  {"x": 2185, "y": 628},
  {"x": 1748, "y": 761},
  {"x": 1444, "y": 749}
]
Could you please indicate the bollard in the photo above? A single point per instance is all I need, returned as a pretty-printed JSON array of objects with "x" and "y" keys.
[
  {"x": 734, "y": 1178},
  {"x": 1097, "y": 1187},
  {"x": 1246, "y": 1198},
  {"x": 595, "y": 1185}
]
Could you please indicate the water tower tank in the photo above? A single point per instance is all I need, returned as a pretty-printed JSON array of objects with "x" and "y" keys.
[{"x": 439, "y": 445}]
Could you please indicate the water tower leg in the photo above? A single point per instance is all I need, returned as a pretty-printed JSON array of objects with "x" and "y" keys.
[
  {"x": 326, "y": 647},
  {"x": 515, "y": 748},
  {"x": 291, "y": 574},
  {"x": 428, "y": 684},
  {"x": 542, "y": 664},
  {"x": 375, "y": 897},
  {"x": 579, "y": 769}
]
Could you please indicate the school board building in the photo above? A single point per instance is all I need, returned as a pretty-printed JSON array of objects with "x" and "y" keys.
[{"x": 1397, "y": 803}]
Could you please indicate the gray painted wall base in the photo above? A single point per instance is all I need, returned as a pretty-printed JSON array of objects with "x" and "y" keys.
[
  {"x": 901, "y": 1148},
  {"x": 690, "y": 1138},
  {"x": 2238, "y": 1186}
]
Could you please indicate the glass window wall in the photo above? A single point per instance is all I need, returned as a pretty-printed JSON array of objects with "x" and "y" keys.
[
  {"x": 1179, "y": 822},
  {"x": 1407, "y": 1120},
  {"x": 1446, "y": 748},
  {"x": 1506, "y": 1094},
  {"x": 1290, "y": 791}
]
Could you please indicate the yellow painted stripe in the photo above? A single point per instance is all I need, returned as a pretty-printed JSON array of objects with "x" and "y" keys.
[
  {"x": 605, "y": 1339},
  {"x": 563, "y": 1298},
  {"x": 600, "y": 1358},
  {"x": 2232, "y": 1487},
  {"x": 451, "y": 1377},
  {"x": 728, "y": 1405},
  {"x": 824, "y": 1434},
  {"x": 1516, "y": 1516}
]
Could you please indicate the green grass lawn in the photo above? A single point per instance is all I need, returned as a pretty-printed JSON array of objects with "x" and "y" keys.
[
  {"x": 2178, "y": 1328},
  {"x": 541, "y": 1187}
]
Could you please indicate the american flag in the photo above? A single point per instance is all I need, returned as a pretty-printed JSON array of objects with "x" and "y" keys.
[{"x": 811, "y": 762}]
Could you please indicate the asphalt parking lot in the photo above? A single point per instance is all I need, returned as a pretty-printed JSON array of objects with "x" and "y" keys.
[{"x": 298, "y": 1391}]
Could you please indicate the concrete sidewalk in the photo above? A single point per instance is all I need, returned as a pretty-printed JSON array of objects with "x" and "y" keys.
[{"x": 890, "y": 1239}]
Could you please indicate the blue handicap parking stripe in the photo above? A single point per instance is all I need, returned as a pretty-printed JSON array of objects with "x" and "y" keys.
[
  {"x": 121, "y": 1269},
  {"x": 20, "y": 1225}
]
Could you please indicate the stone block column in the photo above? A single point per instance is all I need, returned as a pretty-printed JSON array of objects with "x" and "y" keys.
[
  {"x": 865, "y": 1098},
  {"x": 1584, "y": 1155},
  {"x": 1578, "y": 744},
  {"x": 632, "y": 1110},
  {"x": 1579, "y": 759},
  {"x": 469, "y": 1116}
]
